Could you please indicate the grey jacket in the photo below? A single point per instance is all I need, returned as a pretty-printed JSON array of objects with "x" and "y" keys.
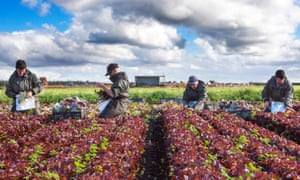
[
  {"x": 16, "y": 84},
  {"x": 120, "y": 86},
  {"x": 281, "y": 93},
  {"x": 119, "y": 103},
  {"x": 198, "y": 94}
]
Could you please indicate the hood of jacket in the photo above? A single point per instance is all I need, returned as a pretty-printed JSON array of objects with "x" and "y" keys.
[
  {"x": 26, "y": 75},
  {"x": 119, "y": 76}
]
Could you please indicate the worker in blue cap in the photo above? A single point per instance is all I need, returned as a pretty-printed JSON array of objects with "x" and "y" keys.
[
  {"x": 194, "y": 94},
  {"x": 278, "y": 89}
]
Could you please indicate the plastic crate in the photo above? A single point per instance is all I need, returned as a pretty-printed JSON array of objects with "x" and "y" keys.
[
  {"x": 56, "y": 116},
  {"x": 177, "y": 100},
  {"x": 245, "y": 113},
  {"x": 138, "y": 99}
]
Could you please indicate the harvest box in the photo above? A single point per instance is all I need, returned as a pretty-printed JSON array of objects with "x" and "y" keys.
[
  {"x": 244, "y": 113},
  {"x": 56, "y": 116}
]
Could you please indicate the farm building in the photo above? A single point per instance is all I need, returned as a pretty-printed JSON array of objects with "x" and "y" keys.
[{"x": 149, "y": 80}]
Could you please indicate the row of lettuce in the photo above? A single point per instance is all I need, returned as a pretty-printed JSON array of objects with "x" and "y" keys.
[
  {"x": 198, "y": 145},
  {"x": 216, "y": 145},
  {"x": 33, "y": 147}
]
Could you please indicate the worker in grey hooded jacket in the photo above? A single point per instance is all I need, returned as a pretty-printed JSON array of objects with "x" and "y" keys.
[
  {"x": 278, "y": 88},
  {"x": 194, "y": 94},
  {"x": 118, "y": 92},
  {"x": 23, "y": 81}
]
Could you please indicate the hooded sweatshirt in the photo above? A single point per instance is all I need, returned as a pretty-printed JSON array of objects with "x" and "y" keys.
[
  {"x": 120, "y": 86},
  {"x": 28, "y": 82},
  {"x": 281, "y": 93},
  {"x": 197, "y": 94}
]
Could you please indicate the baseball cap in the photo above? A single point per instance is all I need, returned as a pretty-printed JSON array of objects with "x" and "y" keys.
[
  {"x": 192, "y": 79},
  {"x": 280, "y": 74},
  {"x": 110, "y": 68}
]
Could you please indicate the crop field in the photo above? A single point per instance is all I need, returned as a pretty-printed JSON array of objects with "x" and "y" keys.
[
  {"x": 152, "y": 94},
  {"x": 155, "y": 140}
]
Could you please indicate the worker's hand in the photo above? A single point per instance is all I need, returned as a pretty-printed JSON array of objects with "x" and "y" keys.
[
  {"x": 101, "y": 85},
  {"x": 266, "y": 104},
  {"x": 289, "y": 109},
  {"x": 28, "y": 94}
]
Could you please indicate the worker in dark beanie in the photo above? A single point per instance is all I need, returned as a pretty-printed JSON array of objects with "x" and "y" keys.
[
  {"x": 278, "y": 89},
  {"x": 194, "y": 93},
  {"x": 23, "y": 81},
  {"x": 118, "y": 92}
]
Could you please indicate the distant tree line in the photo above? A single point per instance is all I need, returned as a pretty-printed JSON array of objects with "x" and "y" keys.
[
  {"x": 71, "y": 83},
  {"x": 92, "y": 83},
  {"x": 2, "y": 83},
  {"x": 60, "y": 83}
]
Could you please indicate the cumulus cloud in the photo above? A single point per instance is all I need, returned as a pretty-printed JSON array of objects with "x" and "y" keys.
[
  {"x": 247, "y": 27},
  {"x": 76, "y": 6},
  {"x": 30, "y": 3},
  {"x": 43, "y": 7},
  {"x": 253, "y": 34}
]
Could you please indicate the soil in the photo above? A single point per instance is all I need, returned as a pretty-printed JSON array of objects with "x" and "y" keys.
[{"x": 154, "y": 164}]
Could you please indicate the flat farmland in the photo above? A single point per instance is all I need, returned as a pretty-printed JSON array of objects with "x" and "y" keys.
[
  {"x": 152, "y": 94},
  {"x": 153, "y": 141}
]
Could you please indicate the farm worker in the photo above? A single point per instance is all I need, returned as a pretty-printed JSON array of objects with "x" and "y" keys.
[
  {"x": 119, "y": 92},
  {"x": 278, "y": 88},
  {"x": 194, "y": 95},
  {"x": 23, "y": 81}
]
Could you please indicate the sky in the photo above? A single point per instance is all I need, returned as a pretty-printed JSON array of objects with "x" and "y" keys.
[{"x": 222, "y": 41}]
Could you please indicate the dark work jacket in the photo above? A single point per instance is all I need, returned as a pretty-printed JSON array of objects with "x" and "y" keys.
[
  {"x": 197, "y": 94},
  {"x": 119, "y": 103},
  {"x": 281, "y": 93},
  {"x": 16, "y": 85}
]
